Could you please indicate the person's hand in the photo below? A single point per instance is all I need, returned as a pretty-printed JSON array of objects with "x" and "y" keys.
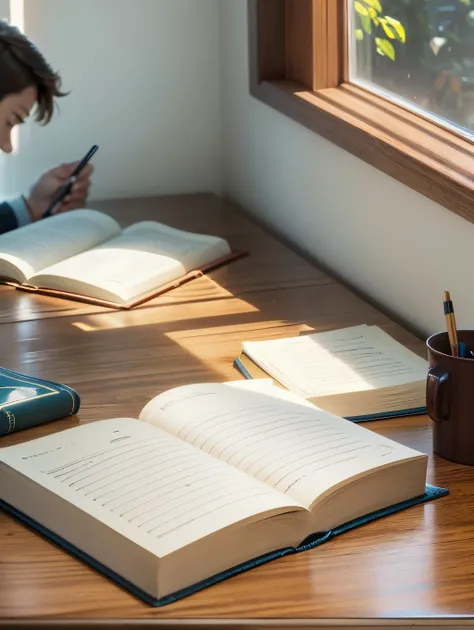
[{"x": 43, "y": 190}]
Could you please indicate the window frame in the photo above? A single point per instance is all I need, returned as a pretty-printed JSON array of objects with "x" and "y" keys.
[{"x": 298, "y": 57}]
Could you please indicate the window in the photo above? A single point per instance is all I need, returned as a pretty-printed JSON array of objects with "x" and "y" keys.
[
  {"x": 420, "y": 54},
  {"x": 391, "y": 81}
]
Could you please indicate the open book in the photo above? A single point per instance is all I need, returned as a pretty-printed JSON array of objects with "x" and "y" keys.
[
  {"x": 359, "y": 373},
  {"x": 213, "y": 479},
  {"x": 84, "y": 254}
]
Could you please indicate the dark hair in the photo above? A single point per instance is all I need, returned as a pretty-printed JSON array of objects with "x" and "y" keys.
[{"x": 22, "y": 66}]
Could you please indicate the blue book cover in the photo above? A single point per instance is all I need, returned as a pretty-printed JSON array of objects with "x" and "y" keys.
[
  {"x": 27, "y": 401},
  {"x": 311, "y": 542}
]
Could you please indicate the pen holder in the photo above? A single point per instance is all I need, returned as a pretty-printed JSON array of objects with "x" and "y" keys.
[{"x": 450, "y": 398}]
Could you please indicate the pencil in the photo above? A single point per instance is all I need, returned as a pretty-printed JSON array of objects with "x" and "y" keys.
[{"x": 450, "y": 323}]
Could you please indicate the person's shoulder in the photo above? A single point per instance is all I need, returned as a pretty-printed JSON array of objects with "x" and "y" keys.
[{"x": 13, "y": 214}]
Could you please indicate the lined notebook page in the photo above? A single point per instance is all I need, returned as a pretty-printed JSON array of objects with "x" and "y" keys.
[
  {"x": 145, "y": 256},
  {"x": 157, "y": 491},
  {"x": 273, "y": 436},
  {"x": 190, "y": 249},
  {"x": 44, "y": 243},
  {"x": 122, "y": 268},
  {"x": 354, "y": 359}
]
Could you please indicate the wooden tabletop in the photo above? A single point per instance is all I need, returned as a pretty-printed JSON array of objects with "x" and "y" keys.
[{"x": 417, "y": 564}]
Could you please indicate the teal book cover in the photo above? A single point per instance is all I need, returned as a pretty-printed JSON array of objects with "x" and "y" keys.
[
  {"x": 27, "y": 401},
  {"x": 431, "y": 493}
]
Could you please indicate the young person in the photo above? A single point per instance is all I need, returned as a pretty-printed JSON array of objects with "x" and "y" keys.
[{"x": 29, "y": 85}]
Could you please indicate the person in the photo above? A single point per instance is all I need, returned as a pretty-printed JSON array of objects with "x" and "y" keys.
[{"x": 29, "y": 84}]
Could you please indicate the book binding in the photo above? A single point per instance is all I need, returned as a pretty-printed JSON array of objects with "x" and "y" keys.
[
  {"x": 431, "y": 493},
  {"x": 77, "y": 297},
  {"x": 27, "y": 401}
]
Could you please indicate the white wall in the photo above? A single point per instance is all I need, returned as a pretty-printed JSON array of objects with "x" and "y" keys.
[
  {"x": 144, "y": 76},
  {"x": 390, "y": 242}
]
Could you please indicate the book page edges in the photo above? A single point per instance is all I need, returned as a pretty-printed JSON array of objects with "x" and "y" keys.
[
  {"x": 407, "y": 399},
  {"x": 312, "y": 541},
  {"x": 76, "y": 297}
]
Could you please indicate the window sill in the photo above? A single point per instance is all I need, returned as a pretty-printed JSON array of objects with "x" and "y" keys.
[{"x": 416, "y": 152}]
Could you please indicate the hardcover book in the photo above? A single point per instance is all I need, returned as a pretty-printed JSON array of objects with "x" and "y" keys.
[
  {"x": 85, "y": 255},
  {"x": 360, "y": 373},
  {"x": 27, "y": 401},
  {"x": 211, "y": 480}
]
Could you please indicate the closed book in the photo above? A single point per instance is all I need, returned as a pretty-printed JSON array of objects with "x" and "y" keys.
[{"x": 27, "y": 401}]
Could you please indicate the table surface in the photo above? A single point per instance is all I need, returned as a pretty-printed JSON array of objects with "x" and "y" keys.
[{"x": 415, "y": 564}]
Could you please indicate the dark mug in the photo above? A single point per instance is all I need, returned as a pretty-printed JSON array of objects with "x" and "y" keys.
[{"x": 450, "y": 398}]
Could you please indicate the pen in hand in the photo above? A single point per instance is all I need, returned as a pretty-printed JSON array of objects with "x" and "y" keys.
[
  {"x": 450, "y": 323},
  {"x": 64, "y": 191}
]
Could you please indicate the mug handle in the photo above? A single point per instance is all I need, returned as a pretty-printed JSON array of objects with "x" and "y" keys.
[{"x": 435, "y": 385}]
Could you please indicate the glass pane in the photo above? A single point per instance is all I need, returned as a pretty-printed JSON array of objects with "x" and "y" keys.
[{"x": 421, "y": 51}]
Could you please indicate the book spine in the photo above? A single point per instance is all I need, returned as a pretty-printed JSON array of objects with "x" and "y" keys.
[
  {"x": 31, "y": 413},
  {"x": 242, "y": 369}
]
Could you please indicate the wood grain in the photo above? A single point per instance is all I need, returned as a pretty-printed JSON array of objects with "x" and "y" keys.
[
  {"x": 415, "y": 564},
  {"x": 406, "y": 146},
  {"x": 300, "y": 42},
  {"x": 267, "y": 35},
  {"x": 208, "y": 214},
  {"x": 328, "y": 49},
  {"x": 319, "y": 23}
]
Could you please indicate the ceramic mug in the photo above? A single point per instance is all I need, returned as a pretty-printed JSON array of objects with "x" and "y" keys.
[{"x": 450, "y": 398}]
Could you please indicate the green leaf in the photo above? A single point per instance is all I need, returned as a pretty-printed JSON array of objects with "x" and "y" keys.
[
  {"x": 366, "y": 24},
  {"x": 359, "y": 34},
  {"x": 361, "y": 10},
  {"x": 386, "y": 47},
  {"x": 375, "y": 4},
  {"x": 386, "y": 28},
  {"x": 373, "y": 14},
  {"x": 398, "y": 28}
]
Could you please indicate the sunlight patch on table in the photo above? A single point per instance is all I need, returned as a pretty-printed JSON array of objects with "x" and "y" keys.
[
  {"x": 217, "y": 346},
  {"x": 175, "y": 313}
]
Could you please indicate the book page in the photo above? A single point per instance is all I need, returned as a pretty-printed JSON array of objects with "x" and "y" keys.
[
  {"x": 355, "y": 359},
  {"x": 272, "y": 435},
  {"x": 157, "y": 491},
  {"x": 28, "y": 249},
  {"x": 144, "y": 257},
  {"x": 190, "y": 249}
]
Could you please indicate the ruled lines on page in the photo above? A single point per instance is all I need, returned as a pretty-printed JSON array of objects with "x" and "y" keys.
[
  {"x": 359, "y": 358},
  {"x": 151, "y": 482},
  {"x": 41, "y": 244},
  {"x": 297, "y": 449}
]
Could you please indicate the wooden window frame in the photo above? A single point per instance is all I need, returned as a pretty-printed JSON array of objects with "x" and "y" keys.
[{"x": 298, "y": 65}]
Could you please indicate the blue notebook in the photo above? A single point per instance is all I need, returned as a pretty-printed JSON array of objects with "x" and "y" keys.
[
  {"x": 27, "y": 401},
  {"x": 313, "y": 541}
]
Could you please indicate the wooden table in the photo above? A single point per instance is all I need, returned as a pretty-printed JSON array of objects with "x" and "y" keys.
[{"x": 418, "y": 564}]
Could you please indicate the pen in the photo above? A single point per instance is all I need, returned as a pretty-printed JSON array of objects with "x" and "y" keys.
[
  {"x": 66, "y": 188},
  {"x": 450, "y": 323}
]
